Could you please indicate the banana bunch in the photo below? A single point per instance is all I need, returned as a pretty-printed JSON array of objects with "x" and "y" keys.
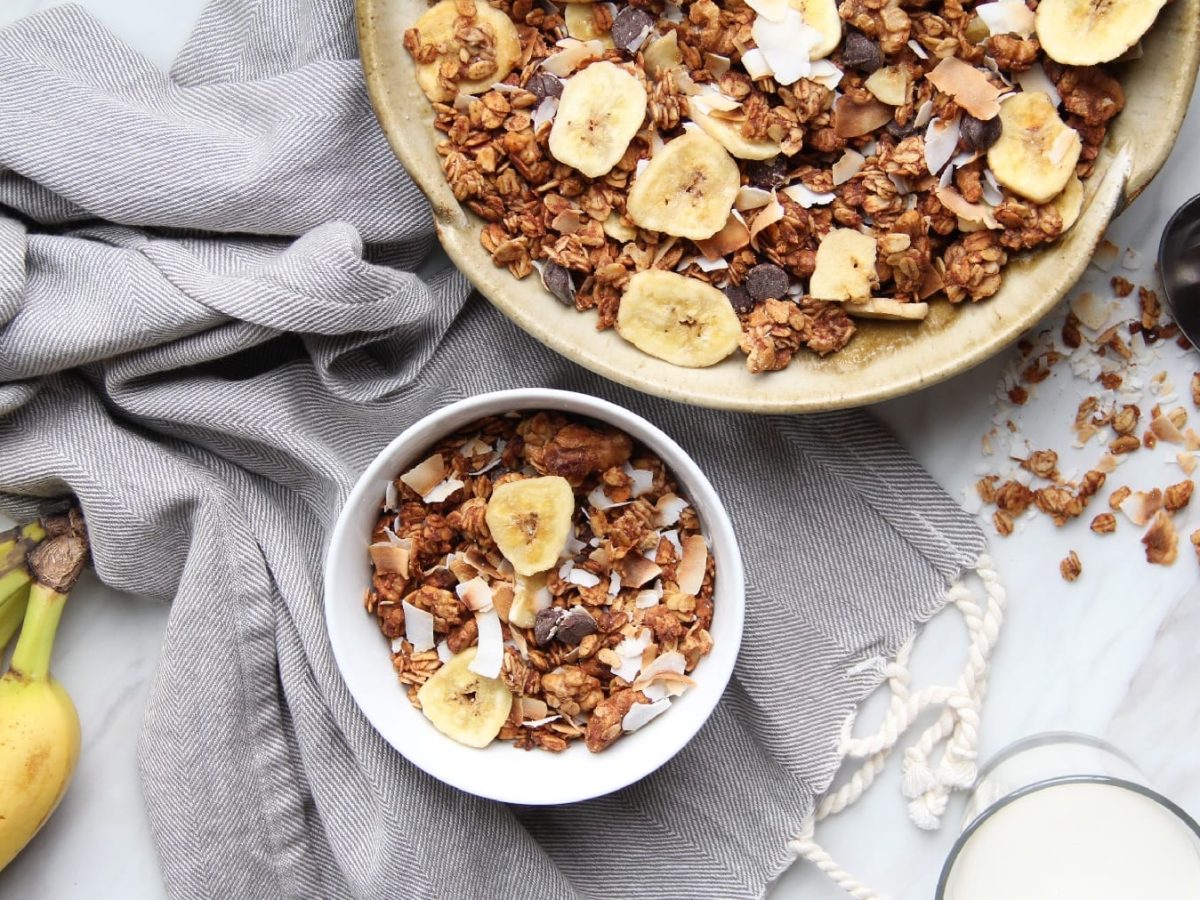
[{"x": 39, "y": 728}]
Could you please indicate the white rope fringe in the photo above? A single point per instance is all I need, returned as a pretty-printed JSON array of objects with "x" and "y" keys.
[{"x": 927, "y": 786}]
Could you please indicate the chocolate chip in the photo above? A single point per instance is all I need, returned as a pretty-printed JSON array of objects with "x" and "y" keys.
[
  {"x": 543, "y": 85},
  {"x": 545, "y": 624},
  {"x": 575, "y": 625},
  {"x": 557, "y": 281},
  {"x": 862, "y": 53},
  {"x": 900, "y": 132},
  {"x": 768, "y": 174},
  {"x": 739, "y": 298},
  {"x": 630, "y": 27},
  {"x": 979, "y": 134},
  {"x": 767, "y": 281}
]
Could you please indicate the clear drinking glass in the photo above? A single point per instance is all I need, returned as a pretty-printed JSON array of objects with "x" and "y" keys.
[{"x": 1069, "y": 817}]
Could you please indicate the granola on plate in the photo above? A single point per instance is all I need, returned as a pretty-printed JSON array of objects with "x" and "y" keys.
[
  {"x": 757, "y": 174},
  {"x": 541, "y": 580}
]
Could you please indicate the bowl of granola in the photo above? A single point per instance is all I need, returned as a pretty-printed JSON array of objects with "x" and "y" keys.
[
  {"x": 778, "y": 205},
  {"x": 539, "y": 570}
]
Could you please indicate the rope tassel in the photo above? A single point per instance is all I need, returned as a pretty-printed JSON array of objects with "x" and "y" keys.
[{"x": 927, "y": 785}]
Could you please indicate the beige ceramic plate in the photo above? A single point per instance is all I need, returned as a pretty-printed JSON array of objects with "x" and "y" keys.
[{"x": 884, "y": 359}]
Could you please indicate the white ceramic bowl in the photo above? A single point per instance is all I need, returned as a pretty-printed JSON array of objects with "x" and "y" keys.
[{"x": 501, "y": 772}]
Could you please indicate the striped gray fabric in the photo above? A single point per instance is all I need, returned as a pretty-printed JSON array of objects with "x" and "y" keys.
[{"x": 217, "y": 302}]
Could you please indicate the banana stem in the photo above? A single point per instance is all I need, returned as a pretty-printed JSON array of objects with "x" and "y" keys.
[{"x": 31, "y": 658}]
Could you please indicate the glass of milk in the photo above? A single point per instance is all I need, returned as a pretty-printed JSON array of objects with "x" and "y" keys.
[{"x": 1069, "y": 817}]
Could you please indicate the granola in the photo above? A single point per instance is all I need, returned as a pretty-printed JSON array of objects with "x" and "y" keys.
[
  {"x": 541, "y": 581},
  {"x": 876, "y": 155}
]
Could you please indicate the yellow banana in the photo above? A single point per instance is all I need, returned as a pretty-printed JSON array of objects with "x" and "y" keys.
[{"x": 39, "y": 727}]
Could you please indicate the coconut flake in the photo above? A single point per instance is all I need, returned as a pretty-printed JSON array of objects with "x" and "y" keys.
[
  {"x": 704, "y": 264},
  {"x": 636, "y": 570},
  {"x": 391, "y": 497},
  {"x": 599, "y": 499},
  {"x": 672, "y": 661},
  {"x": 756, "y": 65},
  {"x": 443, "y": 490},
  {"x": 390, "y": 558},
  {"x": 641, "y": 714},
  {"x": 1140, "y": 506},
  {"x": 645, "y": 599},
  {"x": 751, "y": 198},
  {"x": 690, "y": 574},
  {"x": 545, "y": 112},
  {"x": 916, "y": 48},
  {"x": 825, "y": 73},
  {"x": 629, "y": 651},
  {"x": 716, "y": 64},
  {"x": 786, "y": 44},
  {"x": 924, "y": 114},
  {"x": 807, "y": 198},
  {"x": 1164, "y": 429},
  {"x": 769, "y": 215},
  {"x": 1131, "y": 260},
  {"x": 1062, "y": 145},
  {"x": 668, "y": 509},
  {"x": 490, "y": 654},
  {"x": 673, "y": 537},
  {"x": 992, "y": 194},
  {"x": 972, "y": 212},
  {"x": 418, "y": 627},
  {"x": 427, "y": 475},
  {"x": 1007, "y": 17},
  {"x": 614, "y": 584},
  {"x": 445, "y": 654},
  {"x": 475, "y": 593},
  {"x": 847, "y": 167},
  {"x": 941, "y": 143},
  {"x": 573, "y": 53},
  {"x": 1035, "y": 80},
  {"x": 538, "y": 723},
  {"x": 643, "y": 479},
  {"x": 583, "y": 578},
  {"x": 770, "y": 9}
]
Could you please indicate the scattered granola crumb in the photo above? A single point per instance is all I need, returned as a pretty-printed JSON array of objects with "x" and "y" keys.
[
  {"x": 1196, "y": 389},
  {"x": 1177, "y": 496},
  {"x": 1122, "y": 287},
  {"x": 1003, "y": 522},
  {"x": 1161, "y": 540},
  {"x": 1196, "y": 542},
  {"x": 1118, "y": 497},
  {"x": 1126, "y": 443},
  {"x": 1070, "y": 568},
  {"x": 1043, "y": 464},
  {"x": 1105, "y": 523},
  {"x": 1018, "y": 395}
]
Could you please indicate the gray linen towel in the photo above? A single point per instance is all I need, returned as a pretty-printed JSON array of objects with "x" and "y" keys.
[{"x": 213, "y": 313}]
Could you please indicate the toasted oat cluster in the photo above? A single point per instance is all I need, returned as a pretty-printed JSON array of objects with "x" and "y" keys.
[
  {"x": 541, "y": 580},
  {"x": 757, "y": 174}
]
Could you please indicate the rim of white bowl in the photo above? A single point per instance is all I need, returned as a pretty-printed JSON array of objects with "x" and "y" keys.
[{"x": 494, "y": 772}]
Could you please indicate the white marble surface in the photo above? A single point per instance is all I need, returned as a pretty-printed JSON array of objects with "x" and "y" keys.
[{"x": 1110, "y": 655}]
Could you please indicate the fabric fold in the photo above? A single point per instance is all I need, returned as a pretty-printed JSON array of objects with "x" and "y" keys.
[{"x": 223, "y": 301}]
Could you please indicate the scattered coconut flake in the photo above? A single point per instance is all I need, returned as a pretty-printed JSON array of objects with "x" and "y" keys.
[
  {"x": 1131, "y": 260},
  {"x": 1034, "y": 80},
  {"x": 1108, "y": 463},
  {"x": 519, "y": 642},
  {"x": 992, "y": 194},
  {"x": 641, "y": 714},
  {"x": 545, "y": 112},
  {"x": 645, "y": 599},
  {"x": 490, "y": 654},
  {"x": 771, "y": 9},
  {"x": 418, "y": 627},
  {"x": 941, "y": 143},
  {"x": 1090, "y": 310},
  {"x": 1187, "y": 462},
  {"x": 391, "y": 497},
  {"x": 924, "y": 114},
  {"x": 916, "y": 48},
  {"x": 826, "y": 74},
  {"x": 969, "y": 87},
  {"x": 715, "y": 63},
  {"x": 673, "y": 537},
  {"x": 704, "y": 264},
  {"x": 565, "y": 569},
  {"x": 852, "y": 119},
  {"x": 756, "y": 65},
  {"x": 501, "y": 87},
  {"x": 614, "y": 584},
  {"x": 599, "y": 499},
  {"x": 947, "y": 176},
  {"x": 643, "y": 479},
  {"x": 672, "y": 661},
  {"x": 462, "y": 102},
  {"x": 532, "y": 708},
  {"x": 573, "y": 53},
  {"x": 445, "y": 654},
  {"x": 629, "y": 651},
  {"x": 491, "y": 464},
  {"x": 573, "y": 545},
  {"x": 1164, "y": 429},
  {"x": 769, "y": 215},
  {"x": 752, "y": 198},
  {"x": 442, "y": 490},
  {"x": 390, "y": 558},
  {"x": 475, "y": 593},
  {"x": 1140, "y": 506},
  {"x": 538, "y": 723},
  {"x": 807, "y": 198},
  {"x": 1106, "y": 255},
  {"x": 1007, "y": 17},
  {"x": 972, "y": 212},
  {"x": 668, "y": 509},
  {"x": 786, "y": 44},
  {"x": 427, "y": 475},
  {"x": 636, "y": 570},
  {"x": 583, "y": 578},
  {"x": 690, "y": 573},
  {"x": 664, "y": 248},
  {"x": 847, "y": 167},
  {"x": 397, "y": 644},
  {"x": 901, "y": 183}
]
